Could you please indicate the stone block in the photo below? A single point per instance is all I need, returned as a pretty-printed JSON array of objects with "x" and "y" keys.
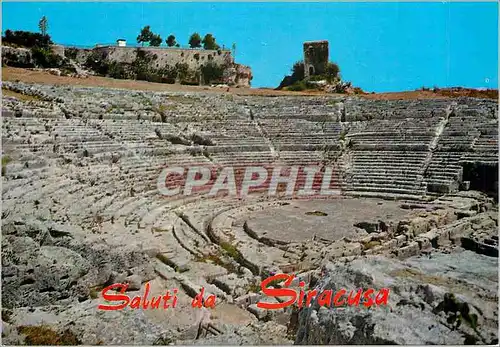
[
  {"x": 465, "y": 185},
  {"x": 366, "y": 239},
  {"x": 258, "y": 312},
  {"x": 247, "y": 299},
  {"x": 443, "y": 237},
  {"x": 423, "y": 243},
  {"x": 401, "y": 239},
  {"x": 379, "y": 236},
  {"x": 411, "y": 250},
  {"x": 391, "y": 244},
  {"x": 353, "y": 249},
  {"x": 459, "y": 229},
  {"x": 419, "y": 226}
]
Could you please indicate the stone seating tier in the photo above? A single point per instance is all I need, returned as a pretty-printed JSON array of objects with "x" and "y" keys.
[{"x": 377, "y": 145}]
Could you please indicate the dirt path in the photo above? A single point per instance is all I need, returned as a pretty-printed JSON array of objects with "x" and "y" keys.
[{"x": 42, "y": 77}]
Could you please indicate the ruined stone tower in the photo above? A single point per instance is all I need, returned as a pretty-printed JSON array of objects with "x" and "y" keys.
[{"x": 316, "y": 56}]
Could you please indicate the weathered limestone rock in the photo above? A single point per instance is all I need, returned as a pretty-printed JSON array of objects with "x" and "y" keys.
[
  {"x": 423, "y": 293},
  {"x": 261, "y": 333},
  {"x": 248, "y": 299},
  {"x": 18, "y": 57},
  {"x": 41, "y": 275},
  {"x": 233, "y": 284}
]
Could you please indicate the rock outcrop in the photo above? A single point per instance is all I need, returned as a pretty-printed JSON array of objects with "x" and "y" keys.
[
  {"x": 436, "y": 299},
  {"x": 18, "y": 57}
]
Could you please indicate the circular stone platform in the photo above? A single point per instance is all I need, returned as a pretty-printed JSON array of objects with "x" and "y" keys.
[{"x": 301, "y": 220}]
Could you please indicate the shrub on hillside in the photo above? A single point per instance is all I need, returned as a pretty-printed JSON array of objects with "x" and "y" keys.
[
  {"x": 182, "y": 70},
  {"x": 96, "y": 62},
  {"x": 117, "y": 70},
  {"x": 26, "y": 39},
  {"x": 317, "y": 78},
  {"x": 192, "y": 81},
  {"x": 296, "y": 76},
  {"x": 332, "y": 71},
  {"x": 298, "y": 71},
  {"x": 168, "y": 74},
  {"x": 358, "y": 90},
  {"x": 142, "y": 67},
  {"x": 297, "y": 86},
  {"x": 212, "y": 72},
  {"x": 70, "y": 53},
  {"x": 297, "y": 82},
  {"x": 44, "y": 58}
]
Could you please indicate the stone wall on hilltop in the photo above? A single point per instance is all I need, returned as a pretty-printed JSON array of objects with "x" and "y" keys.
[
  {"x": 194, "y": 58},
  {"x": 235, "y": 75}
]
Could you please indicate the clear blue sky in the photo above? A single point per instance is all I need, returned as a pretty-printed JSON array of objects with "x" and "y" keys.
[{"x": 378, "y": 46}]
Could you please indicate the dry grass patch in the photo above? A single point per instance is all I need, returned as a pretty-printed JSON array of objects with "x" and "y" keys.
[
  {"x": 371, "y": 244},
  {"x": 19, "y": 96},
  {"x": 217, "y": 260},
  {"x": 5, "y": 160},
  {"x": 45, "y": 336}
]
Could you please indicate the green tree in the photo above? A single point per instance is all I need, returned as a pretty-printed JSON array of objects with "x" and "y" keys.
[
  {"x": 298, "y": 71},
  {"x": 44, "y": 58},
  {"x": 43, "y": 25},
  {"x": 170, "y": 41},
  {"x": 155, "y": 40},
  {"x": 209, "y": 42},
  {"x": 195, "y": 40},
  {"x": 331, "y": 71},
  {"x": 145, "y": 36},
  {"x": 26, "y": 39}
]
